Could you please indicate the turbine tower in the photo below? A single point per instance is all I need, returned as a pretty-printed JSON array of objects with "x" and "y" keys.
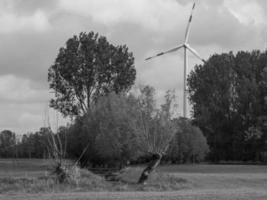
[{"x": 186, "y": 47}]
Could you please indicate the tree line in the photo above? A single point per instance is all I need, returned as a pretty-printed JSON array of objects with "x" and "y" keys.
[
  {"x": 92, "y": 81},
  {"x": 118, "y": 130}
]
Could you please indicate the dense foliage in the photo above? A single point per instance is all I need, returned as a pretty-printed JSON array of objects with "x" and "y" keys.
[
  {"x": 87, "y": 68},
  {"x": 7, "y": 144},
  {"x": 116, "y": 130},
  {"x": 189, "y": 144},
  {"x": 32, "y": 145},
  {"x": 122, "y": 128},
  {"x": 228, "y": 95}
]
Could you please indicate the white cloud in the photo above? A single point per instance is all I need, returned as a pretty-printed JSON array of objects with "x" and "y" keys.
[
  {"x": 30, "y": 119},
  {"x": 23, "y": 118},
  {"x": 165, "y": 72},
  {"x": 160, "y": 15},
  {"x": 24, "y": 108},
  {"x": 145, "y": 26},
  {"x": 247, "y": 12},
  {"x": 14, "y": 89},
  {"x": 11, "y": 22}
]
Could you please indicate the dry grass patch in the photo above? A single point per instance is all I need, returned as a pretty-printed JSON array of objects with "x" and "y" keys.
[{"x": 87, "y": 181}]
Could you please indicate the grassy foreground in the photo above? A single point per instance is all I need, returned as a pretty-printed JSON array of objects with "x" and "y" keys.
[{"x": 27, "y": 179}]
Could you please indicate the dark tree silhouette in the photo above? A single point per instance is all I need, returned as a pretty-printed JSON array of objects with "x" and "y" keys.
[{"x": 227, "y": 94}]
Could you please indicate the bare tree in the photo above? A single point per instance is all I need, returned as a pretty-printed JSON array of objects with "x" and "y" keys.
[
  {"x": 157, "y": 128},
  {"x": 57, "y": 153},
  {"x": 57, "y": 150}
]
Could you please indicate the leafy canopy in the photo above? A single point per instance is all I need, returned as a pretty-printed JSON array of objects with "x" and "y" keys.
[
  {"x": 123, "y": 127},
  {"x": 228, "y": 97},
  {"x": 85, "y": 69}
]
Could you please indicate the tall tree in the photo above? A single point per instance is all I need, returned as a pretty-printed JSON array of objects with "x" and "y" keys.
[
  {"x": 7, "y": 143},
  {"x": 227, "y": 94},
  {"x": 87, "y": 68}
]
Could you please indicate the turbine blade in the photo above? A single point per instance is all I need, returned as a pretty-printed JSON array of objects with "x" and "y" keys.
[
  {"x": 193, "y": 51},
  {"x": 165, "y": 52},
  {"x": 189, "y": 24}
]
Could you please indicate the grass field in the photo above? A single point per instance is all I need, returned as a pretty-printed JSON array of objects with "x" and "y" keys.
[{"x": 181, "y": 182}]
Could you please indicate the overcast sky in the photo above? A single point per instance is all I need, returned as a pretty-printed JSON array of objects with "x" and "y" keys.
[{"x": 32, "y": 31}]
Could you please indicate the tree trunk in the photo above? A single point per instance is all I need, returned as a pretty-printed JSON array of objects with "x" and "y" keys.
[{"x": 156, "y": 158}]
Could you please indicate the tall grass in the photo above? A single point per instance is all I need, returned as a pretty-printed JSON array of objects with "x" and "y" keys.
[{"x": 88, "y": 181}]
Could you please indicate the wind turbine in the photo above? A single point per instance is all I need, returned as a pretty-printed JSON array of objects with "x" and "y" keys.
[{"x": 186, "y": 47}]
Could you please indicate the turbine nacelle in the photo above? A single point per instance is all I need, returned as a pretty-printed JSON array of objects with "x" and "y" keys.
[{"x": 185, "y": 44}]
